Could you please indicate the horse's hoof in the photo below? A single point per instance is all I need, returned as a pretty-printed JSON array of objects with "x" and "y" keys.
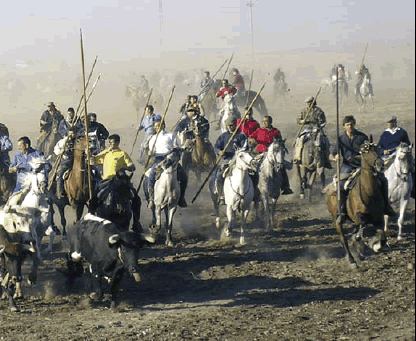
[
  {"x": 400, "y": 237},
  {"x": 18, "y": 296},
  {"x": 242, "y": 241},
  {"x": 31, "y": 280},
  {"x": 218, "y": 223},
  {"x": 302, "y": 196},
  {"x": 14, "y": 309},
  {"x": 169, "y": 243},
  {"x": 353, "y": 265}
]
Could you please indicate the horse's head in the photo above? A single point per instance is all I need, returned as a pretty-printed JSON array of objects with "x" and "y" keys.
[
  {"x": 404, "y": 157},
  {"x": 172, "y": 159},
  {"x": 370, "y": 159},
  {"x": 276, "y": 153},
  {"x": 39, "y": 175},
  {"x": 245, "y": 159}
]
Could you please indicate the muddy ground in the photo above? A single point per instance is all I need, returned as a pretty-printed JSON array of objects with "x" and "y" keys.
[{"x": 291, "y": 283}]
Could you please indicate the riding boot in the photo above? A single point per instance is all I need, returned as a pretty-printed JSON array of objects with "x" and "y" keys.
[
  {"x": 183, "y": 182},
  {"x": 136, "y": 205},
  {"x": 219, "y": 189},
  {"x": 285, "y": 185},
  {"x": 298, "y": 150}
]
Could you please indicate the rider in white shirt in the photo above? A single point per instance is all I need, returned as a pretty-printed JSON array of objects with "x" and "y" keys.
[{"x": 166, "y": 142}]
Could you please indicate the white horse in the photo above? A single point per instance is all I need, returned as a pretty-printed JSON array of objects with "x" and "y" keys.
[
  {"x": 34, "y": 194},
  {"x": 166, "y": 195},
  {"x": 364, "y": 92},
  {"x": 238, "y": 190},
  {"x": 229, "y": 109},
  {"x": 400, "y": 183},
  {"x": 270, "y": 178}
]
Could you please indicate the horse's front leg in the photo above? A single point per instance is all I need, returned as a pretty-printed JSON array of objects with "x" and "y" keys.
[
  {"x": 217, "y": 214},
  {"x": 230, "y": 218},
  {"x": 400, "y": 221},
  {"x": 301, "y": 182},
  {"x": 266, "y": 205},
  {"x": 344, "y": 243},
  {"x": 243, "y": 226},
  {"x": 61, "y": 209},
  {"x": 272, "y": 212},
  {"x": 386, "y": 224},
  {"x": 169, "y": 216}
]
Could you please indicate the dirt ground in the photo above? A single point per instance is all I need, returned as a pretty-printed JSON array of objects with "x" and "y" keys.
[{"x": 292, "y": 283}]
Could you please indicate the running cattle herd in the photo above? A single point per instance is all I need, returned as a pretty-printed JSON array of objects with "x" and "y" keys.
[{"x": 77, "y": 162}]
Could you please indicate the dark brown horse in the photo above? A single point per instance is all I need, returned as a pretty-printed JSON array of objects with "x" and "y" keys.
[
  {"x": 199, "y": 155},
  {"x": 364, "y": 203}
]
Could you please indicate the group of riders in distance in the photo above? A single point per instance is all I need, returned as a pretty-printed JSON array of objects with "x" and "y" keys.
[{"x": 247, "y": 157}]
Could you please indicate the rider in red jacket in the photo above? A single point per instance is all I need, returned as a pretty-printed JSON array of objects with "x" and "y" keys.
[
  {"x": 264, "y": 136},
  {"x": 226, "y": 89},
  {"x": 249, "y": 125}
]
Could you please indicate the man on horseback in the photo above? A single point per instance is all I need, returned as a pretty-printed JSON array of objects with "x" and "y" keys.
[
  {"x": 97, "y": 129},
  {"x": 206, "y": 83},
  {"x": 66, "y": 123},
  {"x": 279, "y": 76},
  {"x": 49, "y": 122},
  {"x": 390, "y": 140},
  {"x": 143, "y": 84},
  {"x": 264, "y": 138},
  {"x": 5, "y": 147},
  {"x": 238, "y": 142},
  {"x": 361, "y": 73},
  {"x": 185, "y": 106},
  {"x": 114, "y": 160},
  {"x": 349, "y": 144},
  {"x": 238, "y": 83},
  {"x": 147, "y": 125},
  {"x": 187, "y": 126},
  {"x": 21, "y": 161},
  {"x": 249, "y": 125},
  {"x": 166, "y": 143},
  {"x": 316, "y": 117},
  {"x": 195, "y": 105},
  {"x": 226, "y": 89}
]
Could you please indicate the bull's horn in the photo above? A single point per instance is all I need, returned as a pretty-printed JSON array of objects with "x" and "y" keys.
[
  {"x": 114, "y": 239},
  {"x": 2, "y": 248},
  {"x": 147, "y": 237},
  {"x": 29, "y": 248}
]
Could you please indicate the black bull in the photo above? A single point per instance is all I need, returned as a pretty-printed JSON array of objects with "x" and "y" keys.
[{"x": 109, "y": 252}]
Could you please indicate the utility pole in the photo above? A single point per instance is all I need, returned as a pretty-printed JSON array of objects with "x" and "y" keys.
[
  {"x": 160, "y": 20},
  {"x": 250, "y": 4}
]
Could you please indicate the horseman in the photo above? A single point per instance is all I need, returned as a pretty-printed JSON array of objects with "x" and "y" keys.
[
  {"x": 49, "y": 123},
  {"x": 143, "y": 84},
  {"x": 66, "y": 123},
  {"x": 206, "y": 83},
  {"x": 238, "y": 142},
  {"x": 361, "y": 73},
  {"x": 195, "y": 105},
  {"x": 390, "y": 139},
  {"x": 21, "y": 161},
  {"x": 226, "y": 89},
  {"x": 238, "y": 83},
  {"x": 342, "y": 75},
  {"x": 114, "y": 160},
  {"x": 349, "y": 145},
  {"x": 249, "y": 125},
  {"x": 187, "y": 126},
  {"x": 185, "y": 106},
  {"x": 65, "y": 146},
  {"x": 264, "y": 137},
  {"x": 279, "y": 76},
  {"x": 166, "y": 143},
  {"x": 316, "y": 117},
  {"x": 97, "y": 129},
  {"x": 147, "y": 124},
  {"x": 5, "y": 147}
]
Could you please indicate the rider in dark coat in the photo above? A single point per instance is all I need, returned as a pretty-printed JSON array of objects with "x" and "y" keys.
[
  {"x": 5, "y": 147},
  {"x": 349, "y": 144}
]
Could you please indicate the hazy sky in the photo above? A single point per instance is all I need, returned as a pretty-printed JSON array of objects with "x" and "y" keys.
[{"x": 119, "y": 29}]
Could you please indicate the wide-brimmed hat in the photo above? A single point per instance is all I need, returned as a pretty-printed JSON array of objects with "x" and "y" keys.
[
  {"x": 50, "y": 104},
  {"x": 309, "y": 99}
]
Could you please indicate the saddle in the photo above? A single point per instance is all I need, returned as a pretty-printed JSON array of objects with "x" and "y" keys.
[{"x": 349, "y": 178}]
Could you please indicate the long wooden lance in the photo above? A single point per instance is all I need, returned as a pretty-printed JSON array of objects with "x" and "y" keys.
[
  {"x": 249, "y": 87},
  {"x": 365, "y": 52},
  {"x": 86, "y": 119},
  {"x": 213, "y": 77},
  {"x": 307, "y": 115},
  {"x": 58, "y": 160},
  {"x": 140, "y": 124},
  {"x": 220, "y": 155},
  {"x": 157, "y": 135},
  {"x": 223, "y": 77}
]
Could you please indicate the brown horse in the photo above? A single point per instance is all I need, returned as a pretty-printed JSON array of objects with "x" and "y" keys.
[
  {"x": 199, "y": 155},
  {"x": 7, "y": 184},
  {"x": 76, "y": 184},
  {"x": 364, "y": 203}
]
